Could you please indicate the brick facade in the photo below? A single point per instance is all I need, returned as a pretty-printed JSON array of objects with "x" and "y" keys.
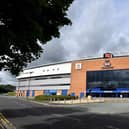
[{"x": 78, "y": 76}]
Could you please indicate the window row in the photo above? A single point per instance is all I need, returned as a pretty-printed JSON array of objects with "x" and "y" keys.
[
  {"x": 48, "y": 77},
  {"x": 108, "y": 79},
  {"x": 108, "y": 75}
]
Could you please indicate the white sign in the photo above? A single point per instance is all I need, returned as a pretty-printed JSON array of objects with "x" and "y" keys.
[
  {"x": 78, "y": 66},
  {"x": 108, "y": 91}
]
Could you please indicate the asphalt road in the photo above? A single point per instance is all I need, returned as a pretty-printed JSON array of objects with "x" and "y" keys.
[{"x": 28, "y": 115}]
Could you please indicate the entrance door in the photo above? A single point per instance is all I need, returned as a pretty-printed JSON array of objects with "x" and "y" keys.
[{"x": 28, "y": 93}]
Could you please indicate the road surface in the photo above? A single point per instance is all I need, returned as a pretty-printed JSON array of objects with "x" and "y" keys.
[{"x": 28, "y": 115}]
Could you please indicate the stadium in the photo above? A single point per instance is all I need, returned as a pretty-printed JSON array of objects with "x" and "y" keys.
[{"x": 107, "y": 76}]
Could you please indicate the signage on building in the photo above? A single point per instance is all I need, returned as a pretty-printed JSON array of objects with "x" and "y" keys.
[
  {"x": 107, "y": 91},
  {"x": 108, "y": 55},
  {"x": 107, "y": 64},
  {"x": 78, "y": 66}
]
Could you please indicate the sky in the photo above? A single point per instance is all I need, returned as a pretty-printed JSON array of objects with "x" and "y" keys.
[{"x": 98, "y": 26}]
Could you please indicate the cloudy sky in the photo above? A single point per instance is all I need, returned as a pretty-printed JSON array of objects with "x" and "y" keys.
[{"x": 98, "y": 26}]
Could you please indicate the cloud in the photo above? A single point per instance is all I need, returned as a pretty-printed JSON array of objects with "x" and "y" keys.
[
  {"x": 7, "y": 78},
  {"x": 98, "y": 26},
  {"x": 53, "y": 52}
]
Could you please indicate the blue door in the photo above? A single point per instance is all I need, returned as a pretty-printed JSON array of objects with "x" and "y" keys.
[
  {"x": 52, "y": 92},
  {"x": 81, "y": 94},
  {"x": 28, "y": 93},
  {"x": 33, "y": 93},
  {"x": 64, "y": 92},
  {"x": 72, "y": 94}
]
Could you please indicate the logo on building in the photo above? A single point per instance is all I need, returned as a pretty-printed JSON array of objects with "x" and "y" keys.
[
  {"x": 108, "y": 55},
  {"x": 78, "y": 66},
  {"x": 107, "y": 64}
]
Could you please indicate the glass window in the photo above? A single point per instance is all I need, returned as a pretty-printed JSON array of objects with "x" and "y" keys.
[{"x": 108, "y": 79}]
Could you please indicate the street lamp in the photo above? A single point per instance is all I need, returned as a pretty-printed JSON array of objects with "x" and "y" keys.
[
  {"x": 18, "y": 89},
  {"x": 28, "y": 90}
]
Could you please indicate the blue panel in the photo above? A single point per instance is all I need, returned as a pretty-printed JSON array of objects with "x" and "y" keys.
[
  {"x": 33, "y": 93},
  {"x": 121, "y": 90},
  {"x": 64, "y": 92},
  {"x": 28, "y": 93},
  {"x": 94, "y": 90},
  {"x": 52, "y": 92},
  {"x": 117, "y": 90},
  {"x": 72, "y": 94},
  {"x": 81, "y": 94}
]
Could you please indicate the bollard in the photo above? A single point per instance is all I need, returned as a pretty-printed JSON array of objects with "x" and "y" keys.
[
  {"x": 71, "y": 101},
  {"x": 64, "y": 101},
  {"x": 80, "y": 100}
]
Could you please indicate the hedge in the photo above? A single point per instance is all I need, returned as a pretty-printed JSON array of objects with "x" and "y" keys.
[{"x": 54, "y": 97}]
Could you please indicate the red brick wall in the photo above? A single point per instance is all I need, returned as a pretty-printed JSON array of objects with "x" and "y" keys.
[{"x": 78, "y": 77}]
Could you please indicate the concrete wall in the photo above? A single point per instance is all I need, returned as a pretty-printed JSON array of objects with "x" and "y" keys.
[
  {"x": 45, "y": 82},
  {"x": 44, "y": 87},
  {"x": 46, "y": 70}
]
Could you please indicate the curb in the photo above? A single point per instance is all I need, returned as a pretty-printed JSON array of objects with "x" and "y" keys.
[
  {"x": 5, "y": 124},
  {"x": 58, "y": 104}
]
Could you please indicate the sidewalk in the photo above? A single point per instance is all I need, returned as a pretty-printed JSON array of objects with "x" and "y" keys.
[{"x": 78, "y": 101}]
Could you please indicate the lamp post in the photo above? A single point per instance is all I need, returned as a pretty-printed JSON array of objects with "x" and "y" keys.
[
  {"x": 28, "y": 90},
  {"x": 18, "y": 89},
  {"x": 84, "y": 93}
]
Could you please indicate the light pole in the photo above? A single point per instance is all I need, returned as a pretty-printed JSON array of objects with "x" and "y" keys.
[
  {"x": 28, "y": 90},
  {"x": 18, "y": 89}
]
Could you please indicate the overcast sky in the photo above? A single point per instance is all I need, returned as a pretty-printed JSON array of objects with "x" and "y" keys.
[{"x": 98, "y": 26}]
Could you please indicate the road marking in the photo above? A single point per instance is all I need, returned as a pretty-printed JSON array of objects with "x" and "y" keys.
[{"x": 6, "y": 124}]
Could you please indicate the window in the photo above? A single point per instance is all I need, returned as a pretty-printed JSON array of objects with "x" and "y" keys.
[
  {"x": 78, "y": 66},
  {"x": 108, "y": 79}
]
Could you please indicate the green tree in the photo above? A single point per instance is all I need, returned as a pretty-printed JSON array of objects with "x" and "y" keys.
[
  {"x": 7, "y": 88},
  {"x": 23, "y": 23}
]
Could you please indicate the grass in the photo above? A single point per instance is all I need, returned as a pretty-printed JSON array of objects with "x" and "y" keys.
[{"x": 11, "y": 93}]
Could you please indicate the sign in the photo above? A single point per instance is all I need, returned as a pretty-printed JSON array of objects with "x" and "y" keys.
[
  {"x": 108, "y": 55},
  {"x": 108, "y": 91},
  {"x": 78, "y": 66}
]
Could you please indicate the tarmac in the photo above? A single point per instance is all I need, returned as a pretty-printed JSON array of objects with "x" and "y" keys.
[
  {"x": 33, "y": 115},
  {"x": 4, "y": 123}
]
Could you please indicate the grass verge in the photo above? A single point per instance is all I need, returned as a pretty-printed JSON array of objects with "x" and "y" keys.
[{"x": 11, "y": 94}]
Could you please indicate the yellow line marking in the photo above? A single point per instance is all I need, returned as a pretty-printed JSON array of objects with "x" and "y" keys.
[{"x": 6, "y": 123}]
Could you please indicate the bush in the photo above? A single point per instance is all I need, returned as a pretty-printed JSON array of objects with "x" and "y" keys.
[
  {"x": 7, "y": 88},
  {"x": 42, "y": 97},
  {"x": 54, "y": 97}
]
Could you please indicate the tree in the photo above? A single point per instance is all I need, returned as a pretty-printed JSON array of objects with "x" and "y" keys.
[
  {"x": 7, "y": 88},
  {"x": 23, "y": 23}
]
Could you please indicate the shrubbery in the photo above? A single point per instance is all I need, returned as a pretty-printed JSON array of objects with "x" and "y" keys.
[
  {"x": 54, "y": 97},
  {"x": 7, "y": 88}
]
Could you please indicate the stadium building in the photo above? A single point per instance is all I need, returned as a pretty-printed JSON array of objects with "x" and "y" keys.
[{"x": 107, "y": 76}]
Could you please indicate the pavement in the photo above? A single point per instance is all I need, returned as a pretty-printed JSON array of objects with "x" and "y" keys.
[{"x": 28, "y": 115}]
